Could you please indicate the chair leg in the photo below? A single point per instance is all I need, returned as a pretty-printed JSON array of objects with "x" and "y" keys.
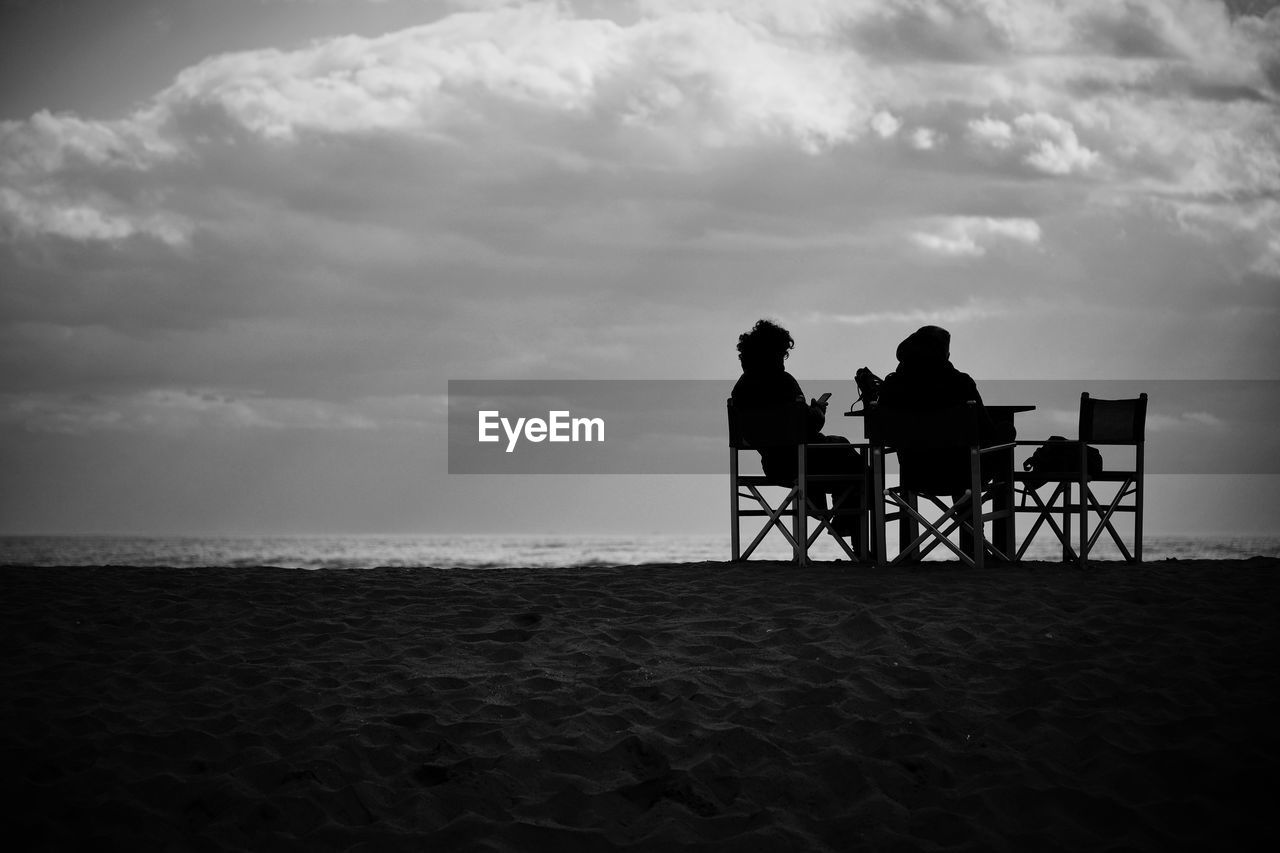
[
  {"x": 1083, "y": 556},
  {"x": 864, "y": 537},
  {"x": 735, "y": 536},
  {"x": 1067, "y": 554},
  {"x": 1138, "y": 505},
  {"x": 877, "y": 507}
]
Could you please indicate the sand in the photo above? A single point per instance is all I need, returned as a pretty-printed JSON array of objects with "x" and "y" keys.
[{"x": 700, "y": 707}]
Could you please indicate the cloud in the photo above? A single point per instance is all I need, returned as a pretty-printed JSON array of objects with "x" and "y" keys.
[
  {"x": 1044, "y": 142},
  {"x": 1054, "y": 146},
  {"x": 710, "y": 76},
  {"x": 173, "y": 410},
  {"x": 924, "y": 139},
  {"x": 685, "y": 80},
  {"x": 488, "y": 191},
  {"x": 1198, "y": 421},
  {"x": 972, "y": 236},
  {"x": 885, "y": 125},
  {"x": 992, "y": 132},
  {"x": 971, "y": 311},
  {"x": 85, "y": 180},
  {"x": 1206, "y": 418},
  {"x": 88, "y": 217},
  {"x": 935, "y": 32},
  {"x": 585, "y": 92}
]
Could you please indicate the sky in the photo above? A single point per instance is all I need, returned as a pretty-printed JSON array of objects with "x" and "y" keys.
[{"x": 245, "y": 245}]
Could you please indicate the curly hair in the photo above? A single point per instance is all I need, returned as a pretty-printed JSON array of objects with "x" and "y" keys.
[{"x": 766, "y": 343}]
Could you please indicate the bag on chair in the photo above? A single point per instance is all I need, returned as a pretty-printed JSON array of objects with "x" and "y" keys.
[{"x": 1057, "y": 456}]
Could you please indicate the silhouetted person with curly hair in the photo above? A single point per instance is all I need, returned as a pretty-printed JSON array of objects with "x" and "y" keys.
[{"x": 765, "y": 384}]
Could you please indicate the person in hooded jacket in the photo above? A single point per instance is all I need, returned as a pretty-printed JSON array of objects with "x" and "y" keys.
[{"x": 924, "y": 381}]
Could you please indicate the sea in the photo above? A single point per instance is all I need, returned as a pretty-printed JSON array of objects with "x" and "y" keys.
[{"x": 487, "y": 552}]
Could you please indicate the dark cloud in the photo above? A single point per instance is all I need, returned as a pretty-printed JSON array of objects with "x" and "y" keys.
[
  {"x": 1255, "y": 8},
  {"x": 1128, "y": 31},
  {"x": 940, "y": 32}
]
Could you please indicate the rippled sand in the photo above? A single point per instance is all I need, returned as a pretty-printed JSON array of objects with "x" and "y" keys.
[{"x": 699, "y": 706}]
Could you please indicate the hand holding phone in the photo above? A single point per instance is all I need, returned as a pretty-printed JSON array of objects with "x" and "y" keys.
[{"x": 822, "y": 401}]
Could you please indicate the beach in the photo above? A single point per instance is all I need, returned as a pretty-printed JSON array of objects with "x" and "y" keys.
[{"x": 703, "y": 706}]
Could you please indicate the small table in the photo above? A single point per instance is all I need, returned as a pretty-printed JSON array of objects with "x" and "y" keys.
[{"x": 1003, "y": 531}]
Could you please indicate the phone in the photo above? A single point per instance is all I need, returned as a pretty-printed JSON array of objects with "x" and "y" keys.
[{"x": 824, "y": 398}]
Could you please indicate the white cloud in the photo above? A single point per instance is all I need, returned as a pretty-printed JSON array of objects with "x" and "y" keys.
[
  {"x": 1042, "y": 141},
  {"x": 1054, "y": 146},
  {"x": 510, "y": 81},
  {"x": 924, "y": 139},
  {"x": 709, "y": 75},
  {"x": 89, "y": 217},
  {"x": 48, "y": 142},
  {"x": 1207, "y": 418},
  {"x": 972, "y": 236},
  {"x": 701, "y": 77},
  {"x": 969, "y": 312},
  {"x": 992, "y": 132},
  {"x": 79, "y": 179},
  {"x": 1185, "y": 421},
  {"x": 885, "y": 124}
]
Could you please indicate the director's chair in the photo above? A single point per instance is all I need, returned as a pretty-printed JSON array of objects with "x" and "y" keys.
[
  {"x": 959, "y": 487},
  {"x": 1075, "y": 493},
  {"x": 756, "y": 429}
]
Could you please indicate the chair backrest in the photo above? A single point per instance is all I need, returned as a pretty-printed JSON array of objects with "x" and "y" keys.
[
  {"x": 954, "y": 426},
  {"x": 1113, "y": 421},
  {"x": 752, "y": 429}
]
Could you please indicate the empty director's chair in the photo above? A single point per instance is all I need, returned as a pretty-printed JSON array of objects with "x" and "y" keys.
[
  {"x": 958, "y": 487},
  {"x": 756, "y": 429},
  {"x": 1077, "y": 493}
]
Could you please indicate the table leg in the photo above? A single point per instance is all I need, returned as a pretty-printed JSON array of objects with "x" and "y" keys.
[{"x": 1004, "y": 533}]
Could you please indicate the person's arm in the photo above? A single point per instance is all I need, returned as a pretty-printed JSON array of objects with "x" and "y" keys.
[
  {"x": 817, "y": 416},
  {"x": 817, "y": 413}
]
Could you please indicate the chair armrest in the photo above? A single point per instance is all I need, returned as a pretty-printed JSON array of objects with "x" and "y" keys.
[
  {"x": 1008, "y": 445},
  {"x": 861, "y": 445}
]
